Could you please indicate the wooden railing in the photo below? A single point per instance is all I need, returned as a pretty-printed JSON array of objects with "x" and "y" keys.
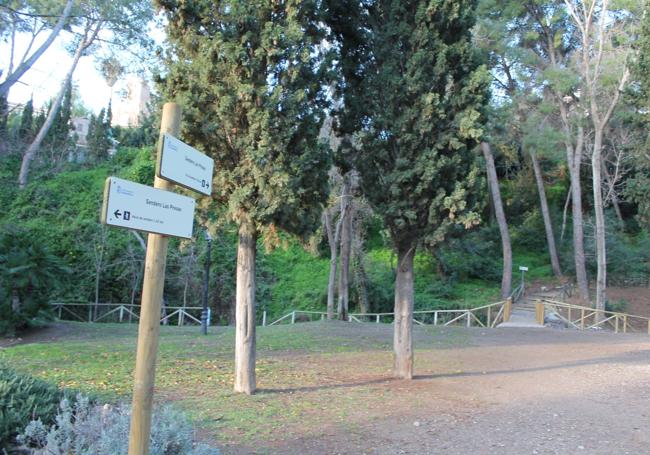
[
  {"x": 586, "y": 318},
  {"x": 484, "y": 316},
  {"x": 124, "y": 312}
]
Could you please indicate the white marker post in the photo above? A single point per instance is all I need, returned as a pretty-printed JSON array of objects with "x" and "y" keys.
[
  {"x": 184, "y": 165},
  {"x": 134, "y": 206}
]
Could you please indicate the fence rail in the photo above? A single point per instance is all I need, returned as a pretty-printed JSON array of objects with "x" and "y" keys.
[
  {"x": 586, "y": 318},
  {"x": 125, "y": 312},
  {"x": 484, "y": 316}
]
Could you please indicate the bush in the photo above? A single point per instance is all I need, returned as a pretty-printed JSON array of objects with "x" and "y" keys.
[
  {"x": 22, "y": 398},
  {"x": 87, "y": 429},
  {"x": 474, "y": 254},
  {"x": 28, "y": 272}
]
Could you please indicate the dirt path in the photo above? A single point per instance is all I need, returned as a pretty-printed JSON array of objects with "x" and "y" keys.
[{"x": 507, "y": 391}]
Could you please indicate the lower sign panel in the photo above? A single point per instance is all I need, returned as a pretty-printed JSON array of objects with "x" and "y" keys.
[{"x": 143, "y": 208}]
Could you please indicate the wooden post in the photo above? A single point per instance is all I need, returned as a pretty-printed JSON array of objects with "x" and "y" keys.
[
  {"x": 507, "y": 310},
  {"x": 582, "y": 319},
  {"x": 90, "y": 313},
  {"x": 149, "y": 326},
  {"x": 489, "y": 316},
  {"x": 570, "y": 320},
  {"x": 121, "y": 312},
  {"x": 469, "y": 319},
  {"x": 264, "y": 318},
  {"x": 616, "y": 323},
  {"x": 649, "y": 327},
  {"x": 539, "y": 312},
  {"x": 625, "y": 323},
  {"x": 648, "y": 323},
  {"x": 293, "y": 317}
]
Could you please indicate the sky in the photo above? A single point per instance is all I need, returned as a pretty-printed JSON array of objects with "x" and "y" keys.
[{"x": 44, "y": 79}]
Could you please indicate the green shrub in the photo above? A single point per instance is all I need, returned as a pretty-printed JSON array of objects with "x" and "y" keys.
[
  {"x": 23, "y": 398},
  {"x": 28, "y": 273},
  {"x": 87, "y": 429},
  {"x": 619, "y": 306}
]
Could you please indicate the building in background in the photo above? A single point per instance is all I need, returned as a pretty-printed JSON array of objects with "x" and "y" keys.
[{"x": 130, "y": 102}]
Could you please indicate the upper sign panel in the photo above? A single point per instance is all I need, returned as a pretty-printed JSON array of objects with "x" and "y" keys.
[
  {"x": 133, "y": 206},
  {"x": 185, "y": 165}
]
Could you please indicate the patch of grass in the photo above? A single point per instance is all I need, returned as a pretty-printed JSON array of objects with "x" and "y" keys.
[{"x": 303, "y": 370}]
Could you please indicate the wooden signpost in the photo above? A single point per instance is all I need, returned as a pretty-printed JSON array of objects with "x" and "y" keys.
[{"x": 162, "y": 213}]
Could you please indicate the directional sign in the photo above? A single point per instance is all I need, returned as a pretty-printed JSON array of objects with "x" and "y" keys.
[
  {"x": 523, "y": 269},
  {"x": 131, "y": 205},
  {"x": 185, "y": 165}
]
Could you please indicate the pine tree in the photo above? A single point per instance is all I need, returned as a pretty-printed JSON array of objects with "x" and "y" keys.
[
  {"x": 249, "y": 76},
  {"x": 413, "y": 92}
]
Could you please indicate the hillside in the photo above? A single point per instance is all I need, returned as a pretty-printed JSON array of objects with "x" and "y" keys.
[{"x": 61, "y": 212}]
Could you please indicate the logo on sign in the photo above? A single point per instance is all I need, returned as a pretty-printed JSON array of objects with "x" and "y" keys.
[{"x": 124, "y": 191}]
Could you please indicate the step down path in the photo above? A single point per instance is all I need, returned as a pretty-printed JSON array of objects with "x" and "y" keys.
[{"x": 523, "y": 314}]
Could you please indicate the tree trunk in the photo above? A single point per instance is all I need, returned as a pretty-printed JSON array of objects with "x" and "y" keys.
[
  {"x": 346, "y": 246},
  {"x": 31, "y": 152},
  {"x": 601, "y": 252},
  {"x": 548, "y": 227},
  {"x": 493, "y": 183},
  {"x": 4, "y": 132},
  {"x": 574, "y": 159},
  {"x": 13, "y": 77},
  {"x": 564, "y": 212},
  {"x": 403, "y": 335},
  {"x": 612, "y": 191},
  {"x": 333, "y": 240},
  {"x": 362, "y": 277},
  {"x": 245, "y": 309}
]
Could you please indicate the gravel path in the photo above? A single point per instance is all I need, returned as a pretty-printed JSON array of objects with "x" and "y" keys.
[{"x": 510, "y": 391}]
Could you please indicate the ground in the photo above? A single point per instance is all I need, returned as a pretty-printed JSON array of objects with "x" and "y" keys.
[{"x": 326, "y": 388}]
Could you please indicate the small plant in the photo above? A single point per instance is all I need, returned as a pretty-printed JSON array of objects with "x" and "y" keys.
[
  {"x": 88, "y": 429},
  {"x": 617, "y": 307},
  {"x": 22, "y": 398}
]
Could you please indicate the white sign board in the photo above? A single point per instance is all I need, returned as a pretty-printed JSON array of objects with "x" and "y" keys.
[
  {"x": 185, "y": 165},
  {"x": 523, "y": 269},
  {"x": 143, "y": 208}
]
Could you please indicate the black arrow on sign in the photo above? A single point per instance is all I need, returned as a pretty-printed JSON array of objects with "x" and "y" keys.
[{"x": 117, "y": 213}]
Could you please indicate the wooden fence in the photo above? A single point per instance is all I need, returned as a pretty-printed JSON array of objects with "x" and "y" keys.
[
  {"x": 125, "y": 312},
  {"x": 587, "y": 318}
]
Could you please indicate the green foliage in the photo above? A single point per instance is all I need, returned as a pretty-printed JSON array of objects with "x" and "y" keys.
[
  {"x": 250, "y": 78},
  {"x": 414, "y": 92},
  {"x": 619, "y": 306},
  {"x": 99, "y": 136},
  {"x": 22, "y": 398},
  {"x": 84, "y": 428},
  {"x": 28, "y": 274}
]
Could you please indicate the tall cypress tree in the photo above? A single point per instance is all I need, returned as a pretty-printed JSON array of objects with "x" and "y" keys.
[
  {"x": 413, "y": 90},
  {"x": 249, "y": 76}
]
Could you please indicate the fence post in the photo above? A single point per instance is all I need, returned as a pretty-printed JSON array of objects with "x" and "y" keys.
[
  {"x": 121, "y": 312},
  {"x": 435, "y": 318},
  {"x": 293, "y": 317},
  {"x": 582, "y": 319},
  {"x": 489, "y": 316},
  {"x": 649, "y": 327},
  {"x": 469, "y": 320},
  {"x": 648, "y": 323},
  {"x": 61, "y": 307},
  {"x": 625, "y": 323},
  {"x": 507, "y": 309},
  {"x": 90, "y": 313},
  {"x": 616, "y": 324},
  {"x": 539, "y": 312},
  {"x": 264, "y": 318}
]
